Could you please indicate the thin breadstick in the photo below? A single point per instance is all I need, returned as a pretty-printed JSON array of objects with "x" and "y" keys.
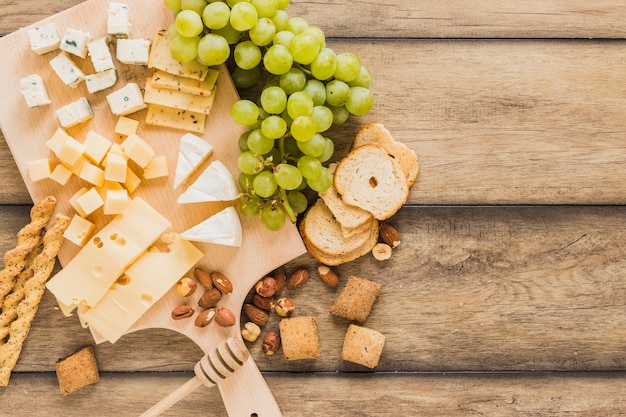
[
  {"x": 34, "y": 289},
  {"x": 27, "y": 238}
]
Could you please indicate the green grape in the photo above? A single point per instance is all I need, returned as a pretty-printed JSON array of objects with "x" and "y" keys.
[
  {"x": 323, "y": 182},
  {"x": 329, "y": 150},
  {"x": 284, "y": 37},
  {"x": 287, "y": 118},
  {"x": 188, "y": 23},
  {"x": 348, "y": 67},
  {"x": 213, "y": 49},
  {"x": 299, "y": 104},
  {"x": 243, "y": 16},
  {"x": 195, "y": 5},
  {"x": 314, "y": 147},
  {"x": 340, "y": 114},
  {"x": 296, "y": 24},
  {"x": 173, "y": 5},
  {"x": 231, "y": 3},
  {"x": 310, "y": 167},
  {"x": 248, "y": 162},
  {"x": 273, "y": 99},
  {"x": 323, "y": 118},
  {"x": 316, "y": 33},
  {"x": 272, "y": 157},
  {"x": 273, "y": 218},
  {"x": 171, "y": 31},
  {"x": 216, "y": 15},
  {"x": 265, "y": 8},
  {"x": 229, "y": 33},
  {"x": 184, "y": 49},
  {"x": 304, "y": 48},
  {"x": 303, "y": 128},
  {"x": 245, "y": 78},
  {"x": 277, "y": 60},
  {"x": 337, "y": 92},
  {"x": 247, "y": 55},
  {"x": 316, "y": 90},
  {"x": 324, "y": 66},
  {"x": 282, "y": 4},
  {"x": 297, "y": 201},
  {"x": 245, "y": 182},
  {"x": 264, "y": 184},
  {"x": 364, "y": 79},
  {"x": 292, "y": 81},
  {"x": 245, "y": 112},
  {"x": 250, "y": 205},
  {"x": 259, "y": 143},
  {"x": 274, "y": 127},
  {"x": 360, "y": 101},
  {"x": 280, "y": 19},
  {"x": 287, "y": 176},
  {"x": 263, "y": 32},
  {"x": 291, "y": 149},
  {"x": 243, "y": 141}
]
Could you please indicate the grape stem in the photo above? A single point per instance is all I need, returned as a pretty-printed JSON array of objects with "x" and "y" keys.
[{"x": 287, "y": 206}]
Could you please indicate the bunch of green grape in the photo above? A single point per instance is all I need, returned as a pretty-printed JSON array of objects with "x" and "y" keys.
[{"x": 306, "y": 89}]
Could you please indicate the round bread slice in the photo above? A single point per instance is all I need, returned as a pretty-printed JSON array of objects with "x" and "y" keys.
[
  {"x": 376, "y": 133},
  {"x": 372, "y": 180}
]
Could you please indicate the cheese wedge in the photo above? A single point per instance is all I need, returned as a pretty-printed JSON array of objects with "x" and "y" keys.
[
  {"x": 223, "y": 228},
  {"x": 192, "y": 152},
  {"x": 216, "y": 183}
]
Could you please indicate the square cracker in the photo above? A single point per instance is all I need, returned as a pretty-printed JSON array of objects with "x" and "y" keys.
[
  {"x": 362, "y": 346},
  {"x": 355, "y": 300},
  {"x": 77, "y": 370},
  {"x": 300, "y": 338}
]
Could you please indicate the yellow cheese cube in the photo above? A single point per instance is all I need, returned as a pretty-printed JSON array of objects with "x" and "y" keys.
[
  {"x": 132, "y": 181},
  {"x": 57, "y": 140},
  {"x": 138, "y": 150},
  {"x": 39, "y": 169},
  {"x": 108, "y": 185},
  {"x": 90, "y": 201},
  {"x": 116, "y": 201},
  {"x": 96, "y": 146},
  {"x": 92, "y": 174},
  {"x": 117, "y": 148},
  {"x": 61, "y": 174},
  {"x": 71, "y": 151},
  {"x": 73, "y": 201},
  {"x": 156, "y": 168},
  {"x": 115, "y": 169},
  {"x": 79, "y": 230},
  {"x": 78, "y": 166},
  {"x": 126, "y": 126}
]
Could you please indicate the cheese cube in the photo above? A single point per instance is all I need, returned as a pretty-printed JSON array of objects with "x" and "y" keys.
[
  {"x": 138, "y": 150},
  {"x": 74, "y": 113},
  {"x": 132, "y": 181},
  {"x": 78, "y": 166},
  {"x": 156, "y": 168},
  {"x": 101, "y": 80},
  {"x": 100, "y": 54},
  {"x": 61, "y": 174},
  {"x": 44, "y": 38},
  {"x": 116, "y": 167},
  {"x": 175, "y": 118},
  {"x": 118, "y": 20},
  {"x": 96, "y": 146},
  {"x": 38, "y": 169},
  {"x": 126, "y": 100},
  {"x": 79, "y": 230},
  {"x": 74, "y": 203},
  {"x": 164, "y": 80},
  {"x": 34, "y": 91},
  {"x": 70, "y": 151},
  {"x": 133, "y": 51},
  {"x": 90, "y": 201},
  {"x": 66, "y": 69},
  {"x": 75, "y": 42},
  {"x": 161, "y": 58},
  {"x": 92, "y": 174},
  {"x": 126, "y": 126},
  {"x": 55, "y": 143},
  {"x": 117, "y": 148},
  {"x": 116, "y": 201}
]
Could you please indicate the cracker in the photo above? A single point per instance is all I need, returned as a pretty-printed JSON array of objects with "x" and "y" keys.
[
  {"x": 355, "y": 300},
  {"x": 300, "y": 338},
  {"x": 362, "y": 346},
  {"x": 77, "y": 371}
]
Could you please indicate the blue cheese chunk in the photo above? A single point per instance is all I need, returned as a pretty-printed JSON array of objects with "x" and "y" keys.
[
  {"x": 126, "y": 100},
  {"x": 133, "y": 51},
  {"x": 66, "y": 69},
  {"x": 118, "y": 22},
  {"x": 34, "y": 91},
  {"x": 101, "y": 80},
  {"x": 75, "y": 42},
  {"x": 100, "y": 54},
  {"x": 74, "y": 113},
  {"x": 44, "y": 38}
]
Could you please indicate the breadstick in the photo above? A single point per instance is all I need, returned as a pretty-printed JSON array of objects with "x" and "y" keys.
[
  {"x": 27, "y": 238},
  {"x": 34, "y": 289}
]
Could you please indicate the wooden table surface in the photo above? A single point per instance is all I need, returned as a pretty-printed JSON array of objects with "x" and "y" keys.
[{"x": 507, "y": 295}]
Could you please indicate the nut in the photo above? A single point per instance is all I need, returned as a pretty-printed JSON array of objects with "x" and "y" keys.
[
  {"x": 224, "y": 317},
  {"x": 264, "y": 303},
  {"x": 284, "y": 307},
  {"x": 203, "y": 277},
  {"x": 250, "y": 331},
  {"x": 221, "y": 282},
  {"x": 328, "y": 276},
  {"x": 205, "y": 317},
  {"x": 271, "y": 343},
  {"x": 210, "y": 298},
  {"x": 186, "y": 286},
  {"x": 389, "y": 235},
  {"x": 281, "y": 279},
  {"x": 182, "y": 312},
  {"x": 381, "y": 251},
  {"x": 266, "y": 287},
  {"x": 255, "y": 314},
  {"x": 298, "y": 278}
]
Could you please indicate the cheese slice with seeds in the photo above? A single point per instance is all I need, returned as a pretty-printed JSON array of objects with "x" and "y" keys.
[
  {"x": 216, "y": 183},
  {"x": 192, "y": 152},
  {"x": 223, "y": 228},
  {"x": 162, "y": 79}
]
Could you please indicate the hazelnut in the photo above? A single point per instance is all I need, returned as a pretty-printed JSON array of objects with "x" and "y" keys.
[
  {"x": 203, "y": 277},
  {"x": 205, "y": 317},
  {"x": 182, "y": 312},
  {"x": 284, "y": 307},
  {"x": 271, "y": 343},
  {"x": 186, "y": 286},
  {"x": 266, "y": 287},
  {"x": 381, "y": 251},
  {"x": 224, "y": 317},
  {"x": 250, "y": 331},
  {"x": 264, "y": 303}
]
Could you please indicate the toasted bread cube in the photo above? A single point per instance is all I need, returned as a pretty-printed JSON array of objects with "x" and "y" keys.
[
  {"x": 355, "y": 300},
  {"x": 300, "y": 339},
  {"x": 77, "y": 371},
  {"x": 362, "y": 346}
]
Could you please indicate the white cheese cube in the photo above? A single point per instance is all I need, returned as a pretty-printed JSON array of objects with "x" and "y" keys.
[
  {"x": 74, "y": 113},
  {"x": 101, "y": 80},
  {"x": 34, "y": 91},
  {"x": 75, "y": 42},
  {"x": 38, "y": 169},
  {"x": 79, "y": 230},
  {"x": 44, "y": 38},
  {"x": 126, "y": 100},
  {"x": 100, "y": 54},
  {"x": 118, "y": 20},
  {"x": 66, "y": 69},
  {"x": 133, "y": 51}
]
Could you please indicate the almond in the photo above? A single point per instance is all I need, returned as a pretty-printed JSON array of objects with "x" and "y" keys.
[
  {"x": 298, "y": 278},
  {"x": 205, "y": 317},
  {"x": 203, "y": 277},
  {"x": 221, "y": 282},
  {"x": 389, "y": 235},
  {"x": 182, "y": 312},
  {"x": 255, "y": 314},
  {"x": 264, "y": 303},
  {"x": 328, "y": 276},
  {"x": 224, "y": 317},
  {"x": 281, "y": 279},
  {"x": 210, "y": 298}
]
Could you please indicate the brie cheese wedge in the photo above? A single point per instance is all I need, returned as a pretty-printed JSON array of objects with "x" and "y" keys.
[
  {"x": 216, "y": 183},
  {"x": 223, "y": 228},
  {"x": 192, "y": 152}
]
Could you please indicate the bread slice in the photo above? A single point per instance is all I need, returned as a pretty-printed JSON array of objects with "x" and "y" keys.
[
  {"x": 376, "y": 133},
  {"x": 334, "y": 260},
  {"x": 372, "y": 180}
]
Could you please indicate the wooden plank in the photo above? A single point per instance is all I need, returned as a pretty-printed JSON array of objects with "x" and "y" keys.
[{"x": 380, "y": 395}]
